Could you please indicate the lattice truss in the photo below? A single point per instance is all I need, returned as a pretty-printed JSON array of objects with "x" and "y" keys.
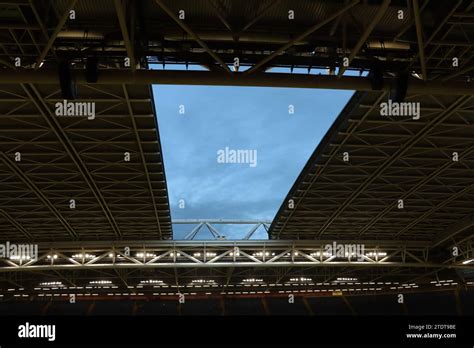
[
  {"x": 48, "y": 160},
  {"x": 169, "y": 268},
  {"x": 389, "y": 159},
  {"x": 321, "y": 34}
]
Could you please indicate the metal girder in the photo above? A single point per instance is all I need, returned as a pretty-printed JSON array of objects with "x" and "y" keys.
[
  {"x": 365, "y": 35},
  {"x": 258, "y": 16},
  {"x": 209, "y": 223},
  {"x": 208, "y": 254},
  {"x": 143, "y": 159},
  {"x": 187, "y": 29},
  {"x": 433, "y": 209},
  {"x": 210, "y": 78},
  {"x": 15, "y": 223},
  {"x": 258, "y": 42},
  {"x": 414, "y": 189},
  {"x": 453, "y": 230},
  {"x": 309, "y": 31},
  {"x": 33, "y": 188},
  {"x": 419, "y": 35},
  {"x": 58, "y": 28},
  {"x": 218, "y": 11},
  {"x": 125, "y": 34}
]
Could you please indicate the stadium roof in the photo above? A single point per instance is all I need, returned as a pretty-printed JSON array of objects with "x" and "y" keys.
[{"x": 120, "y": 204}]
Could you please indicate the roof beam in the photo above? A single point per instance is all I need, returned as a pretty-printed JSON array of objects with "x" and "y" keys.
[
  {"x": 33, "y": 188},
  {"x": 419, "y": 36},
  {"x": 187, "y": 29},
  {"x": 469, "y": 66},
  {"x": 453, "y": 230},
  {"x": 258, "y": 16},
  {"x": 124, "y": 30},
  {"x": 210, "y": 78},
  {"x": 435, "y": 208},
  {"x": 50, "y": 118},
  {"x": 414, "y": 189},
  {"x": 217, "y": 9},
  {"x": 142, "y": 157},
  {"x": 52, "y": 38},
  {"x": 300, "y": 37},
  {"x": 16, "y": 224},
  {"x": 378, "y": 16}
]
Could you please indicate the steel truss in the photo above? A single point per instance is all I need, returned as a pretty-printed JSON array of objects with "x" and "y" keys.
[
  {"x": 215, "y": 254},
  {"x": 320, "y": 37},
  {"x": 210, "y": 225}
]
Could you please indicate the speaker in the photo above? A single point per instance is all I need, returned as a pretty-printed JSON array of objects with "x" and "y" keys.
[
  {"x": 398, "y": 88},
  {"x": 92, "y": 69},
  {"x": 66, "y": 80},
  {"x": 376, "y": 77}
]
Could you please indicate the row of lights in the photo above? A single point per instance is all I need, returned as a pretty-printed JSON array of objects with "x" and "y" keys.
[
  {"x": 213, "y": 254},
  {"x": 260, "y": 280},
  {"x": 19, "y": 257},
  {"x": 151, "y": 281},
  {"x": 301, "y": 280},
  {"x": 252, "y": 280},
  {"x": 100, "y": 282},
  {"x": 51, "y": 284},
  {"x": 83, "y": 256},
  {"x": 149, "y": 255},
  {"x": 261, "y": 253},
  {"x": 343, "y": 279},
  {"x": 203, "y": 281},
  {"x": 208, "y": 254}
]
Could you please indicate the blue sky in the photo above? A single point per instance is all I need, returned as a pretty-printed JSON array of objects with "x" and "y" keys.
[{"x": 247, "y": 118}]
